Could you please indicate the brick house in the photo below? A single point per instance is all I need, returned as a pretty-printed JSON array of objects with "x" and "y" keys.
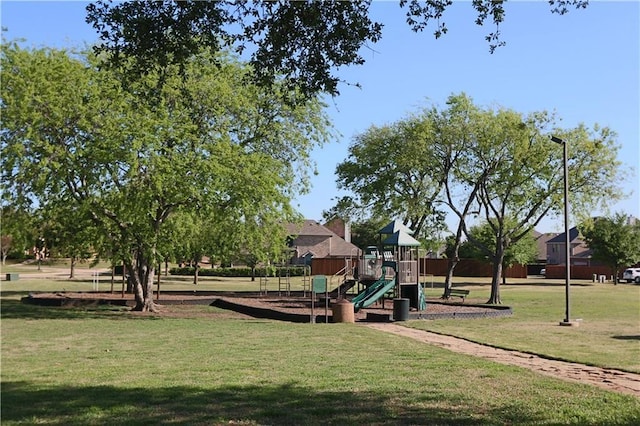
[
  {"x": 579, "y": 253},
  {"x": 541, "y": 240},
  {"x": 310, "y": 239}
]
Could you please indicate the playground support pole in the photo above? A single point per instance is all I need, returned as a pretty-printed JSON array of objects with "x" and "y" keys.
[{"x": 326, "y": 304}]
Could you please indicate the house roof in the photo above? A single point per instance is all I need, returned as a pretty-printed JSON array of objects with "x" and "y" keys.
[
  {"x": 394, "y": 226},
  {"x": 560, "y": 238},
  {"x": 308, "y": 227},
  {"x": 339, "y": 247},
  {"x": 586, "y": 253},
  {"x": 342, "y": 248}
]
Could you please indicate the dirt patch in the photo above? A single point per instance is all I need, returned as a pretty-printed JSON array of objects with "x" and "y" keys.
[
  {"x": 292, "y": 305},
  {"x": 610, "y": 379}
]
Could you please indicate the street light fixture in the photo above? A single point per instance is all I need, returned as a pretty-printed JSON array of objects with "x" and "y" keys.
[{"x": 567, "y": 317}]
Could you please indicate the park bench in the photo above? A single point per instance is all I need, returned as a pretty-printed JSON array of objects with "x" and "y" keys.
[{"x": 458, "y": 293}]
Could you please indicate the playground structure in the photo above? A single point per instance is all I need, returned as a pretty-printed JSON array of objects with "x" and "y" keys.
[{"x": 390, "y": 269}]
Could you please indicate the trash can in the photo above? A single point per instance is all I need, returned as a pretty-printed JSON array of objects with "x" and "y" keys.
[
  {"x": 343, "y": 311},
  {"x": 400, "y": 309}
]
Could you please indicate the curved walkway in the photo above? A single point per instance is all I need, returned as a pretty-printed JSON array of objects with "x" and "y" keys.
[{"x": 610, "y": 379}]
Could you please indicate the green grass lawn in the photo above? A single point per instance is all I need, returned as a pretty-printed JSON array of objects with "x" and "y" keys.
[
  {"x": 608, "y": 334},
  {"x": 109, "y": 366}
]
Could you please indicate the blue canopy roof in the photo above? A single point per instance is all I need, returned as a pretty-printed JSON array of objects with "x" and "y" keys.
[
  {"x": 401, "y": 239},
  {"x": 395, "y": 226}
]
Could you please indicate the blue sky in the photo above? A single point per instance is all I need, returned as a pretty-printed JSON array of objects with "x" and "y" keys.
[{"x": 584, "y": 65}]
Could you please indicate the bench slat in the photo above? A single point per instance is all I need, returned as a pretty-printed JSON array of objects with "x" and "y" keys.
[{"x": 459, "y": 293}]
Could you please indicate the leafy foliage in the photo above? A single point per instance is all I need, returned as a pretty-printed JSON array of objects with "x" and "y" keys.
[
  {"x": 393, "y": 172},
  {"x": 614, "y": 240},
  {"x": 68, "y": 231},
  {"x": 490, "y": 163},
  {"x": 202, "y": 143},
  {"x": 300, "y": 42},
  {"x": 505, "y": 166},
  {"x": 18, "y": 231},
  {"x": 237, "y": 271},
  {"x": 523, "y": 251}
]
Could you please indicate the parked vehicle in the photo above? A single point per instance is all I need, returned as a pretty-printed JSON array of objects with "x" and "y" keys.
[
  {"x": 543, "y": 272},
  {"x": 632, "y": 275}
]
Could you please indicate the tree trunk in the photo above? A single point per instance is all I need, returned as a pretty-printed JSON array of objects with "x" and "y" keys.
[
  {"x": 158, "y": 283},
  {"x": 195, "y": 274},
  {"x": 497, "y": 276},
  {"x": 144, "y": 294},
  {"x": 141, "y": 274},
  {"x": 72, "y": 272},
  {"x": 448, "y": 281},
  {"x": 124, "y": 274}
]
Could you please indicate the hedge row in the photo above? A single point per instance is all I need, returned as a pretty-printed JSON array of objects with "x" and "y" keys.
[{"x": 294, "y": 271}]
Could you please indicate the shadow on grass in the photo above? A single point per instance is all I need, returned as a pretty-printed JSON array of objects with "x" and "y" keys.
[
  {"x": 291, "y": 404},
  {"x": 629, "y": 337},
  {"x": 510, "y": 284},
  {"x": 15, "y": 309}
]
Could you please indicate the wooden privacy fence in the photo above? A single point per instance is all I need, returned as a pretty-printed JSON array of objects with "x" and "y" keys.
[
  {"x": 580, "y": 272},
  {"x": 468, "y": 268},
  {"x": 328, "y": 265},
  {"x": 465, "y": 268}
]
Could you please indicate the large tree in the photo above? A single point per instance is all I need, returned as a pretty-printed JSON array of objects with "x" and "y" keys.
[
  {"x": 18, "y": 230},
  {"x": 519, "y": 173},
  {"x": 615, "y": 241},
  {"x": 394, "y": 172},
  {"x": 462, "y": 181},
  {"x": 482, "y": 246},
  {"x": 304, "y": 42},
  {"x": 490, "y": 163},
  {"x": 69, "y": 232},
  {"x": 196, "y": 140}
]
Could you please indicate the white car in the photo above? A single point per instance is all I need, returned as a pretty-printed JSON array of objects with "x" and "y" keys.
[{"x": 632, "y": 275}]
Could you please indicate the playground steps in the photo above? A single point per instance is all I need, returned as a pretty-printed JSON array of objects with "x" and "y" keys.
[{"x": 342, "y": 288}]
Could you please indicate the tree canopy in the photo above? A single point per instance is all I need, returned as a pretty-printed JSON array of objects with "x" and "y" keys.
[
  {"x": 492, "y": 164},
  {"x": 203, "y": 143},
  {"x": 394, "y": 172},
  {"x": 18, "y": 231},
  {"x": 482, "y": 246},
  {"x": 615, "y": 240},
  {"x": 302, "y": 42}
]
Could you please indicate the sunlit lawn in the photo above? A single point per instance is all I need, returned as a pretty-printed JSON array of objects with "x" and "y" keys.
[
  {"x": 108, "y": 366},
  {"x": 608, "y": 334}
]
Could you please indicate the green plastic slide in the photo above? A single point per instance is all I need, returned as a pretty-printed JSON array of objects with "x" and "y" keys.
[{"x": 372, "y": 293}]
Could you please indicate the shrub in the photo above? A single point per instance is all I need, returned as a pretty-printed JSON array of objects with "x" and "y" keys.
[{"x": 293, "y": 271}]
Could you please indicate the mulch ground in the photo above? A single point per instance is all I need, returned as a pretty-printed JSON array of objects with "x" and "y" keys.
[{"x": 171, "y": 304}]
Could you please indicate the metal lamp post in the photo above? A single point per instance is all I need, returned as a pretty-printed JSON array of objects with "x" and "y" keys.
[{"x": 567, "y": 317}]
